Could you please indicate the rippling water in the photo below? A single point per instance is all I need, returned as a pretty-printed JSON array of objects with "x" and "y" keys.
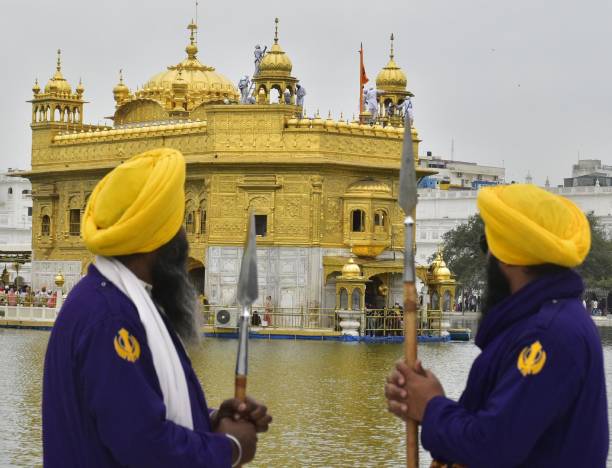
[{"x": 326, "y": 397}]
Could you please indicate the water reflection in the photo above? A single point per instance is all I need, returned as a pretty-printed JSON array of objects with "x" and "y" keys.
[{"x": 326, "y": 397}]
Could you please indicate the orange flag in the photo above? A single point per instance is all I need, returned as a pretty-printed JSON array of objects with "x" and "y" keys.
[{"x": 363, "y": 78}]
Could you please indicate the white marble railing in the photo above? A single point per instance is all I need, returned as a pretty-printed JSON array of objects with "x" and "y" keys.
[{"x": 34, "y": 314}]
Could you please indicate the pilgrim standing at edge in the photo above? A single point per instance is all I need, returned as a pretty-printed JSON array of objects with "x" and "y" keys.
[
  {"x": 536, "y": 395},
  {"x": 119, "y": 388}
]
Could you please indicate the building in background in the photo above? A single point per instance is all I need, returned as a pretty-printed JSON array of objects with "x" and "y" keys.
[
  {"x": 323, "y": 189},
  {"x": 16, "y": 227},
  {"x": 589, "y": 173},
  {"x": 439, "y": 211},
  {"x": 459, "y": 175}
]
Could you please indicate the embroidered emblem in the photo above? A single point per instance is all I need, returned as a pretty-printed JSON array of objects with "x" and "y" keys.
[
  {"x": 127, "y": 346},
  {"x": 531, "y": 360}
]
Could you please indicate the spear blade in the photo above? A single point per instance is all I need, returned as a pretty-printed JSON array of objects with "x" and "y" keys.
[
  {"x": 247, "y": 281},
  {"x": 408, "y": 186}
]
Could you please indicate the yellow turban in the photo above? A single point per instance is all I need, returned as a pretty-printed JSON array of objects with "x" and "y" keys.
[
  {"x": 138, "y": 206},
  {"x": 526, "y": 225}
]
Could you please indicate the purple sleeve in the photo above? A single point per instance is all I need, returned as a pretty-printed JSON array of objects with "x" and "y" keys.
[
  {"x": 503, "y": 432},
  {"x": 130, "y": 416}
]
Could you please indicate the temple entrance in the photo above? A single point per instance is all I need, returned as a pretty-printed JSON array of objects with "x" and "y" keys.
[{"x": 197, "y": 274}]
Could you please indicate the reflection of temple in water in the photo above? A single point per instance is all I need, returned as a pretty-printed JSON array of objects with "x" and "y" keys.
[{"x": 323, "y": 190}]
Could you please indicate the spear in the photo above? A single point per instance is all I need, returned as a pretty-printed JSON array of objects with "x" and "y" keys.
[
  {"x": 408, "y": 201},
  {"x": 247, "y": 293}
]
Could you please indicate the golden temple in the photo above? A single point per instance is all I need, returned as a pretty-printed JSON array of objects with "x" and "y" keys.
[{"x": 323, "y": 189}]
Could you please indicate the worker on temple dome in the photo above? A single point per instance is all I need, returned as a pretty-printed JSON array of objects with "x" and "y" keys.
[
  {"x": 536, "y": 395},
  {"x": 118, "y": 387}
]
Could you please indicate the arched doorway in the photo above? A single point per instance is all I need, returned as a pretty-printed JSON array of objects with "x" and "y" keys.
[{"x": 197, "y": 274}]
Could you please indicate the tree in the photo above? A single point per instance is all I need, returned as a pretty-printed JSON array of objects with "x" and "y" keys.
[
  {"x": 463, "y": 255},
  {"x": 596, "y": 267}
]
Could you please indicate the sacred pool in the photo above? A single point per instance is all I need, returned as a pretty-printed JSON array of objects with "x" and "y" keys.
[{"x": 326, "y": 397}]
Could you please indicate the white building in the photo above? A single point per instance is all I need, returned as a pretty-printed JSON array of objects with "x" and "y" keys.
[
  {"x": 15, "y": 223},
  {"x": 439, "y": 211},
  {"x": 459, "y": 174}
]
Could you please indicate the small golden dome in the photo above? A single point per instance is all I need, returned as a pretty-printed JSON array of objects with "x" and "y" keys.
[
  {"x": 36, "y": 87},
  {"x": 58, "y": 84},
  {"x": 80, "y": 89},
  {"x": 391, "y": 77},
  {"x": 276, "y": 61},
  {"x": 59, "y": 279},
  {"x": 121, "y": 89},
  {"x": 370, "y": 186},
  {"x": 317, "y": 121},
  {"x": 351, "y": 269},
  {"x": 439, "y": 269}
]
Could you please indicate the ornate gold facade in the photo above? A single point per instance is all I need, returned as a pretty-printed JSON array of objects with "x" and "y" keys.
[{"x": 314, "y": 182}]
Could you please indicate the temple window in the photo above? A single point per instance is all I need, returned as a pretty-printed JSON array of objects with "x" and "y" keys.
[
  {"x": 202, "y": 221},
  {"x": 74, "y": 227},
  {"x": 343, "y": 299},
  {"x": 45, "y": 226},
  {"x": 261, "y": 225},
  {"x": 189, "y": 223},
  {"x": 358, "y": 221},
  {"x": 356, "y": 299},
  {"x": 10, "y": 190},
  {"x": 380, "y": 218}
]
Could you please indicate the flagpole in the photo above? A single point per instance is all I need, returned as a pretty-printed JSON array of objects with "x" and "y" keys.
[{"x": 361, "y": 79}]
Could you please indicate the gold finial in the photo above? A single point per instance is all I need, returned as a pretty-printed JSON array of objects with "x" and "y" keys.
[
  {"x": 276, "y": 30},
  {"x": 121, "y": 76},
  {"x": 392, "y": 38},
  {"x": 59, "y": 60},
  {"x": 329, "y": 114},
  {"x": 193, "y": 27},
  {"x": 341, "y": 115}
]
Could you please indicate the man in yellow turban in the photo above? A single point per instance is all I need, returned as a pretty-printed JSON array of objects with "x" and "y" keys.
[
  {"x": 536, "y": 394},
  {"x": 118, "y": 388}
]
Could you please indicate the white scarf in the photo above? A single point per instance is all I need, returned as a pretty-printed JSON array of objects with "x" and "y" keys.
[{"x": 167, "y": 364}]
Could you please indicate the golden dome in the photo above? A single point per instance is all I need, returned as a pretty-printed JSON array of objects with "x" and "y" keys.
[
  {"x": 58, "y": 84},
  {"x": 59, "y": 279},
  {"x": 80, "y": 89},
  {"x": 276, "y": 61},
  {"x": 121, "y": 88},
  {"x": 439, "y": 270},
  {"x": 351, "y": 269},
  {"x": 36, "y": 87},
  {"x": 369, "y": 186},
  {"x": 204, "y": 84},
  {"x": 392, "y": 77}
]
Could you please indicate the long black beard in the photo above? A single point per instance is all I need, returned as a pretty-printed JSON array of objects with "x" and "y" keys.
[
  {"x": 172, "y": 288},
  {"x": 498, "y": 286}
]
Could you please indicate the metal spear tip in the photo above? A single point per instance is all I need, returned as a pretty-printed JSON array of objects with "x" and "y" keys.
[
  {"x": 247, "y": 281},
  {"x": 407, "y": 185}
]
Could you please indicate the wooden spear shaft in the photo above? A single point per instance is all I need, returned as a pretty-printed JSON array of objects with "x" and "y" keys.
[{"x": 410, "y": 335}]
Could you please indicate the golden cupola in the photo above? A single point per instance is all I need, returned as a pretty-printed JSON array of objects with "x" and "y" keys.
[
  {"x": 275, "y": 73},
  {"x": 57, "y": 104},
  {"x": 121, "y": 92},
  {"x": 276, "y": 62},
  {"x": 439, "y": 270},
  {"x": 204, "y": 84},
  {"x": 391, "y": 77},
  {"x": 351, "y": 270},
  {"x": 57, "y": 84}
]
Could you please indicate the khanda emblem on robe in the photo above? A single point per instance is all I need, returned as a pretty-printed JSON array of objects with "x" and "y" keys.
[
  {"x": 531, "y": 360},
  {"x": 127, "y": 346}
]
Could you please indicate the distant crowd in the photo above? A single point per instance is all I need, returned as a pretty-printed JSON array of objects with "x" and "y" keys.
[{"x": 25, "y": 296}]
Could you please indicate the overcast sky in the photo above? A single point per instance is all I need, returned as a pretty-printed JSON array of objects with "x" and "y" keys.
[{"x": 523, "y": 83}]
